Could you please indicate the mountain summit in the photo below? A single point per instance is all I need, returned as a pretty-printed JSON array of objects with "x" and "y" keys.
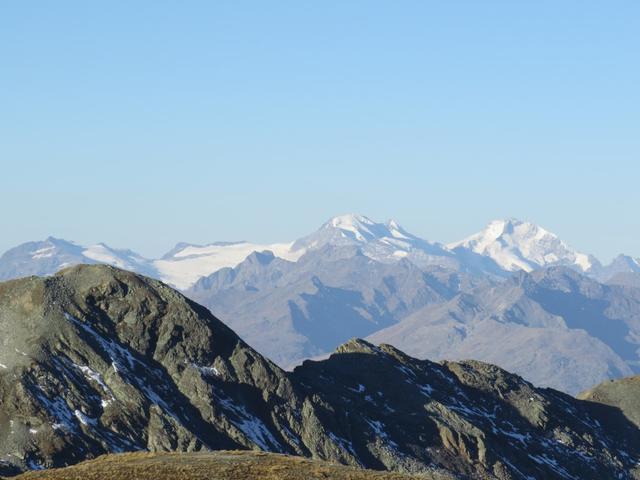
[
  {"x": 52, "y": 254},
  {"x": 517, "y": 245},
  {"x": 380, "y": 241}
]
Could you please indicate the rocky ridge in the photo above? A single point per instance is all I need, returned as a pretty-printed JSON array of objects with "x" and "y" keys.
[{"x": 98, "y": 360}]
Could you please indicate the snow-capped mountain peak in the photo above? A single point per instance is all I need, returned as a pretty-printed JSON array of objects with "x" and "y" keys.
[
  {"x": 356, "y": 225},
  {"x": 363, "y": 229},
  {"x": 517, "y": 245},
  {"x": 503, "y": 246},
  {"x": 49, "y": 248},
  {"x": 52, "y": 254},
  {"x": 386, "y": 242},
  {"x": 351, "y": 229}
]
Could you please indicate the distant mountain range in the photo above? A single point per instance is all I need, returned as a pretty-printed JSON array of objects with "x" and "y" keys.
[
  {"x": 554, "y": 326},
  {"x": 513, "y": 294},
  {"x": 503, "y": 246}
]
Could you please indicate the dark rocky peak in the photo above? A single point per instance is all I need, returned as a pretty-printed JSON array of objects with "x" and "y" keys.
[
  {"x": 473, "y": 418},
  {"x": 98, "y": 360}
]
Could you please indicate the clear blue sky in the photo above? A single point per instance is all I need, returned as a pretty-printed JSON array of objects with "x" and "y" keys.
[{"x": 145, "y": 123}]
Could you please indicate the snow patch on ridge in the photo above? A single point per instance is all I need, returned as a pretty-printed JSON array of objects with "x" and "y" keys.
[
  {"x": 253, "y": 428},
  {"x": 45, "y": 252}
]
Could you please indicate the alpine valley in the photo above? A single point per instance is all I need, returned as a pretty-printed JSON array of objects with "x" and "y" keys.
[{"x": 514, "y": 295}]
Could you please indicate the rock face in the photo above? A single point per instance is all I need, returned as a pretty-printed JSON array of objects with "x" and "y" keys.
[
  {"x": 98, "y": 360},
  {"x": 471, "y": 418}
]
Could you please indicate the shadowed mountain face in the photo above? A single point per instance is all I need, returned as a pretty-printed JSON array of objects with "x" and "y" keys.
[
  {"x": 623, "y": 394},
  {"x": 555, "y": 327},
  {"x": 97, "y": 360}
]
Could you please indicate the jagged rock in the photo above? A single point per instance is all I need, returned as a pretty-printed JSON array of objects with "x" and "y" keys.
[{"x": 98, "y": 360}]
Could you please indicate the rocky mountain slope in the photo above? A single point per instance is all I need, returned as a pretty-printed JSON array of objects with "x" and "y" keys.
[
  {"x": 555, "y": 327},
  {"x": 218, "y": 465},
  {"x": 97, "y": 360}
]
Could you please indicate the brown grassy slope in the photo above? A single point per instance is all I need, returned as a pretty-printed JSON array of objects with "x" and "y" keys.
[
  {"x": 221, "y": 465},
  {"x": 623, "y": 393}
]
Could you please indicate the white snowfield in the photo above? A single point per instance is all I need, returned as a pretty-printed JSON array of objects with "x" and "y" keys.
[
  {"x": 193, "y": 262},
  {"x": 118, "y": 258},
  {"x": 45, "y": 252},
  {"x": 511, "y": 244}
]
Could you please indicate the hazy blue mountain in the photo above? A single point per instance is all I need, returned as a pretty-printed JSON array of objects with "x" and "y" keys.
[
  {"x": 51, "y": 255},
  {"x": 295, "y": 310},
  {"x": 503, "y": 247},
  {"x": 554, "y": 327},
  {"x": 629, "y": 279},
  {"x": 622, "y": 264}
]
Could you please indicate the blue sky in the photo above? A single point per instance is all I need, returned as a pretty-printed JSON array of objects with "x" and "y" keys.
[{"x": 141, "y": 124}]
